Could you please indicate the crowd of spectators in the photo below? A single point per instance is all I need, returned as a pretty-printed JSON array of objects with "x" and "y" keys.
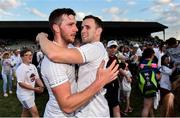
[{"x": 129, "y": 51}]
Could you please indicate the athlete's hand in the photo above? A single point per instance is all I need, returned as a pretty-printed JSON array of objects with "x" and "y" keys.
[
  {"x": 106, "y": 75},
  {"x": 41, "y": 36}
]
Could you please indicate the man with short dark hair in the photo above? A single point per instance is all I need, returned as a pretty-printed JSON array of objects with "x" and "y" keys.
[{"x": 59, "y": 78}]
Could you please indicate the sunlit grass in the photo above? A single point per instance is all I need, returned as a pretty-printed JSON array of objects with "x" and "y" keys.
[{"x": 11, "y": 107}]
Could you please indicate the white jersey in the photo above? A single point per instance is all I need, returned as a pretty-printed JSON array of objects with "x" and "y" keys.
[
  {"x": 55, "y": 74},
  {"x": 92, "y": 55},
  {"x": 164, "y": 81},
  {"x": 27, "y": 74}
]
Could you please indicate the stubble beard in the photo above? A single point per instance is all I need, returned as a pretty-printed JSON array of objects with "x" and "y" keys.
[{"x": 67, "y": 38}]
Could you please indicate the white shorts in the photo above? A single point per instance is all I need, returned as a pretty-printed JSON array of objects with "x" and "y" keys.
[{"x": 28, "y": 103}]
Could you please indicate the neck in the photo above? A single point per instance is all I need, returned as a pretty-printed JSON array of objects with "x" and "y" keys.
[
  {"x": 27, "y": 63},
  {"x": 60, "y": 42},
  {"x": 96, "y": 39}
]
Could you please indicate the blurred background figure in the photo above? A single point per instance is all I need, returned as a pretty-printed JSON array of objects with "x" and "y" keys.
[
  {"x": 113, "y": 87},
  {"x": 16, "y": 59},
  {"x": 6, "y": 73}
]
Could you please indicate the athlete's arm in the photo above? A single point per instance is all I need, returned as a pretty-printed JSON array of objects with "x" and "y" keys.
[
  {"x": 70, "y": 102},
  {"x": 39, "y": 82},
  {"x": 58, "y": 54},
  {"x": 40, "y": 85},
  {"x": 26, "y": 86}
]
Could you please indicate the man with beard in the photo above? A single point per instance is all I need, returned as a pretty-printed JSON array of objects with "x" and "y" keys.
[{"x": 65, "y": 95}]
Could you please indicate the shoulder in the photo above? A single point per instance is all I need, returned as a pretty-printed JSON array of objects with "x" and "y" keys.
[
  {"x": 94, "y": 45},
  {"x": 33, "y": 66},
  {"x": 50, "y": 65},
  {"x": 165, "y": 68},
  {"x": 21, "y": 68}
]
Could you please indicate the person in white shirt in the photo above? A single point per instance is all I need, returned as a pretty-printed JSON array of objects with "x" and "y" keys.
[
  {"x": 167, "y": 97},
  {"x": 27, "y": 77},
  {"x": 166, "y": 72},
  {"x": 138, "y": 52},
  {"x": 16, "y": 59},
  {"x": 6, "y": 73},
  {"x": 87, "y": 95},
  {"x": 126, "y": 86}
]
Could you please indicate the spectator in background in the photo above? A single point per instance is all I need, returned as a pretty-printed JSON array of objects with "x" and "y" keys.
[
  {"x": 160, "y": 52},
  {"x": 173, "y": 50},
  {"x": 27, "y": 77},
  {"x": 134, "y": 60},
  {"x": 167, "y": 97},
  {"x": 6, "y": 72},
  {"x": 138, "y": 50},
  {"x": 147, "y": 65},
  {"x": 126, "y": 52},
  {"x": 16, "y": 59},
  {"x": 126, "y": 86},
  {"x": 120, "y": 54},
  {"x": 113, "y": 87},
  {"x": 37, "y": 57}
]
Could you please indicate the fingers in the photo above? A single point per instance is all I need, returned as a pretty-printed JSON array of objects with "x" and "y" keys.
[
  {"x": 113, "y": 78},
  {"x": 102, "y": 64},
  {"x": 41, "y": 35},
  {"x": 112, "y": 65},
  {"x": 115, "y": 75},
  {"x": 44, "y": 34},
  {"x": 115, "y": 68}
]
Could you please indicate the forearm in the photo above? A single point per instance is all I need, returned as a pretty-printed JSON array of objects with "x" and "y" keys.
[
  {"x": 26, "y": 86},
  {"x": 48, "y": 47},
  {"x": 74, "y": 101},
  {"x": 70, "y": 102},
  {"x": 39, "y": 83},
  {"x": 87, "y": 94},
  {"x": 59, "y": 54}
]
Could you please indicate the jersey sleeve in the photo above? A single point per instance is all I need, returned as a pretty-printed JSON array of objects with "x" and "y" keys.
[{"x": 89, "y": 52}]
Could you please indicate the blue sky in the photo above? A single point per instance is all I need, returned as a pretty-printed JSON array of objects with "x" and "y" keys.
[{"x": 166, "y": 12}]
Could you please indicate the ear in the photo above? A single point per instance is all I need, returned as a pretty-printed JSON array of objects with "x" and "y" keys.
[
  {"x": 99, "y": 30},
  {"x": 56, "y": 28}
]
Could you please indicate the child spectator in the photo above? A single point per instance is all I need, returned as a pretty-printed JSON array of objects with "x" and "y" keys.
[
  {"x": 27, "y": 77},
  {"x": 126, "y": 85}
]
